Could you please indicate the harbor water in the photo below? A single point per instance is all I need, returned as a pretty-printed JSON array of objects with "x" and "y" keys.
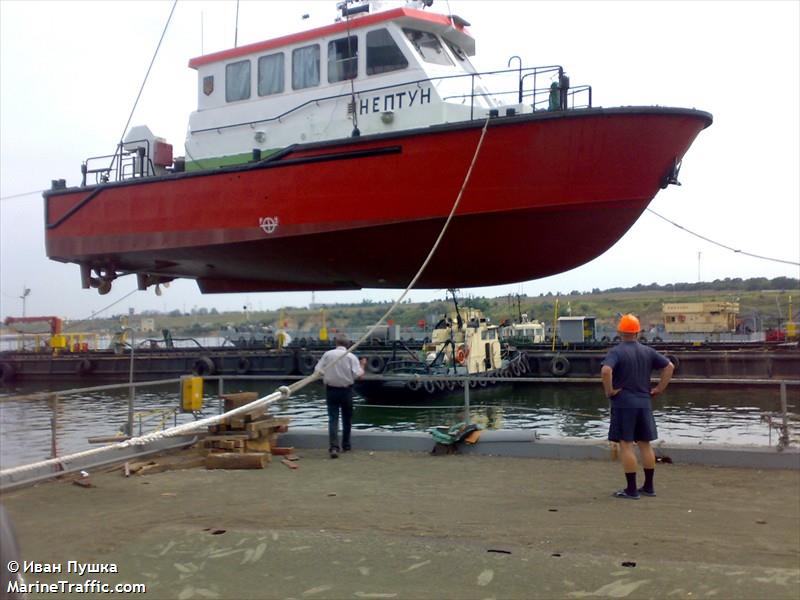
[{"x": 707, "y": 414}]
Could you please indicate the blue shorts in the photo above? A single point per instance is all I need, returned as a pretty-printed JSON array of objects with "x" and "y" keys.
[{"x": 632, "y": 425}]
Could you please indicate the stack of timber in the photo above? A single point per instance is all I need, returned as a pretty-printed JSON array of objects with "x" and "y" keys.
[{"x": 246, "y": 441}]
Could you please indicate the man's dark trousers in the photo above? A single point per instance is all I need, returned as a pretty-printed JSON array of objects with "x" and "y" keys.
[{"x": 339, "y": 398}]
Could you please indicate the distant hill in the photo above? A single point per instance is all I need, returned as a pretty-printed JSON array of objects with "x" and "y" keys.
[{"x": 768, "y": 298}]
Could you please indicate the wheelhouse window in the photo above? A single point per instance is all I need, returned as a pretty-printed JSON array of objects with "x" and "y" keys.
[
  {"x": 342, "y": 59},
  {"x": 305, "y": 67},
  {"x": 459, "y": 53},
  {"x": 428, "y": 46},
  {"x": 270, "y": 74},
  {"x": 237, "y": 81},
  {"x": 383, "y": 54}
]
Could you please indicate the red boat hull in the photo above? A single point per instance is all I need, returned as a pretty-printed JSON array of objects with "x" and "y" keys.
[{"x": 548, "y": 193}]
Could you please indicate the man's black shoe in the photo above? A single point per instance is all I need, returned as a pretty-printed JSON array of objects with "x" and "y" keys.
[
  {"x": 334, "y": 453},
  {"x": 346, "y": 448}
]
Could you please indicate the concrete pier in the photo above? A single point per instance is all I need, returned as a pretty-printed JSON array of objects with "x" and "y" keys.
[{"x": 407, "y": 524}]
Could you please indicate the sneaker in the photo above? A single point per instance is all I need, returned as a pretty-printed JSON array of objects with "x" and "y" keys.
[
  {"x": 334, "y": 452},
  {"x": 346, "y": 448},
  {"x": 645, "y": 492},
  {"x": 625, "y": 494}
]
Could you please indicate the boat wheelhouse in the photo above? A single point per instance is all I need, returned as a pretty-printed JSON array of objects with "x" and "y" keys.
[
  {"x": 330, "y": 159},
  {"x": 373, "y": 73}
]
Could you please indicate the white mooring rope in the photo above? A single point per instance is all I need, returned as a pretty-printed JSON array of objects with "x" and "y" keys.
[{"x": 283, "y": 392}]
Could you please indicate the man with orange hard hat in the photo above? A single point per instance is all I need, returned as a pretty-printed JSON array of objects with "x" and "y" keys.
[{"x": 626, "y": 381}]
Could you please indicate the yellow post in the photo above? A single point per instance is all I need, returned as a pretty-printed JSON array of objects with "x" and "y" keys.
[
  {"x": 191, "y": 393},
  {"x": 791, "y": 326},
  {"x": 323, "y": 331}
]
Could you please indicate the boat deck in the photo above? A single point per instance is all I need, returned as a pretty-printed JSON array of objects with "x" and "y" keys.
[{"x": 382, "y": 524}]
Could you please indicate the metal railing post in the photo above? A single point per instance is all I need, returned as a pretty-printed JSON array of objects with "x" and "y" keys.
[
  {"x": 472, "y": 99},
  {"x": 220, "y": 391},
  {"x": 131, "y": 389},
  {"x": 466, "y": 401},
  {"x": 783, "y": 440},
  {"x": 53, "y": 426}
]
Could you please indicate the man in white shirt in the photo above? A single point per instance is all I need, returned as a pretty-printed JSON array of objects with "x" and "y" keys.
[{"x": 339, "y": 369}]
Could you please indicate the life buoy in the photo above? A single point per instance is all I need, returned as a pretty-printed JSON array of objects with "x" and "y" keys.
[
  {"x": 473, "y": 384},
  {"x": 429, "y": 387},
  {"x": 441, "y": 385},
  {"x": 413, "y": 385},
  {"x": 375, "y": 364},
  {"x": 483, "y": 383},
  {"x": 83, "y": 367},
  {"x": 7, "y": 372},
  {"x": 204, "y": 366},
  {"x": 243, "y": 365},
  {"x": 306, "y": 363},
  {"x": 559, "y": 366},
  {"x": 674, "y": 360},
  {"x": 451, "y": 385},
  {"x": 515, "y": 369},
  {"x": 462, "y": 354}
]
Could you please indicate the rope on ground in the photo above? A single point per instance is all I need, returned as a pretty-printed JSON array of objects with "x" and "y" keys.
[{"x": 283, "y": 392}]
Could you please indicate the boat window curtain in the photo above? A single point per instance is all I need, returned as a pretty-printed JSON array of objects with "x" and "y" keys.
[
  {"x": 305, "y": 67},
  {"x": 237, "y": 81},
  {"x": 383, "y": 54},
  {"x": 270, "y": 74},
  {"x": 342, "y": 59}
]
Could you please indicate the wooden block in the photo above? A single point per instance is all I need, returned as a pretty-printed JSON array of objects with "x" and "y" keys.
[
  {"x": 231, "y": 460},
  {"x": 281, "y": 450},
  {"x": 237, "y": 422},
  {"x": 289, "y": 464},
  {"x": 135, "y": 467},
  {"x": 239, "y": 399},
  {"x": 258, "y": 445}
]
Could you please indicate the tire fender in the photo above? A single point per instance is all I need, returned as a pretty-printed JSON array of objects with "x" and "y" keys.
[
  {"x": 7, "y": 372},
  {"x": 375, "y": 364},
  {"x": 204, "y": 366},
  {"x": 559, "y": 366},
  {"x": 243, "y": 365}
]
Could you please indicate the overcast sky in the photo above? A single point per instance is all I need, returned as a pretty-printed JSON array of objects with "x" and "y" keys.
[{"x": 70, "y": 72}]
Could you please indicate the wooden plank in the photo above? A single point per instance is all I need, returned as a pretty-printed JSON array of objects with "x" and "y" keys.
[
  {"x": 281, "y": 450},
  {"x": 239, "y": 399},
  {"x": 280, "y": 424},
  {"x": 231, "y": 460},
  {"x": 227, "y": 436},
  {"x": 289, "y": 464}
]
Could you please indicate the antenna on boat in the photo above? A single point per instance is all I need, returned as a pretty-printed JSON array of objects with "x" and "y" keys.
[{"x": 236, "y": 31}]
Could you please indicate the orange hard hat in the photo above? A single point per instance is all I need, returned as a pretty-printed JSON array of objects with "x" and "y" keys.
[{"x": 629, "y": 324}]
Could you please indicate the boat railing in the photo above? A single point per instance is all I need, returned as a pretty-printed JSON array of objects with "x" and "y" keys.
[
  {"x": 778, "y": 420},
  {"x": 536, "y": 96},
  {"x": 123, "y": 164}
]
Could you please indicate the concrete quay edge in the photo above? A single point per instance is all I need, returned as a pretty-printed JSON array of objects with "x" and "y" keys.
[{"x": 526, "y": 444}]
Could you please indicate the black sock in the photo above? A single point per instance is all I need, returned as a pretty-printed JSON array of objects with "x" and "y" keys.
[
  {"x": 648, "y": 479},
  {"x": 631, "y": 477}
]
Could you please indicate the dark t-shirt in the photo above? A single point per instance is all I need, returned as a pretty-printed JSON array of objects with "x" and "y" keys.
[{"x": 632, "y": 364}]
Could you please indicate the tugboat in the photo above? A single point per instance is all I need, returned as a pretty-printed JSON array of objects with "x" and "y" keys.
[
  {"x": 313, "y": 158},
  {"x": 464, "y": 349}
]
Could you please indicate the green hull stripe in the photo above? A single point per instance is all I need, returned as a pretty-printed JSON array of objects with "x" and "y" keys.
[{"x": 215, "y": 162}]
